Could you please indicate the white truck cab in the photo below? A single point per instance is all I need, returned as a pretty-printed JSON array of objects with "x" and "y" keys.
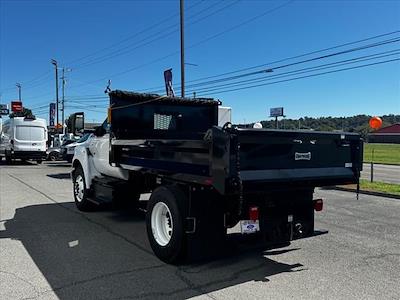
[
  {"x": 92, "y": 156},
  {"x": 23, "y": 138}
]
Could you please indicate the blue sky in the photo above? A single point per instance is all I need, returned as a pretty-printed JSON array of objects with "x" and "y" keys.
[{"x": 100, "y": 40}]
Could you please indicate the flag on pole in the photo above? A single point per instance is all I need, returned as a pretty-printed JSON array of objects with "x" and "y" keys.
[
  {"x": 168, "y": 83},
  {"x": 52, "y": 113}
]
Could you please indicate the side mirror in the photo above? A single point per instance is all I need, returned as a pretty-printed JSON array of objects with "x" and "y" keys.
[
  {"x": 100, "y": 131},
  {"x": 76, "y": 123}
]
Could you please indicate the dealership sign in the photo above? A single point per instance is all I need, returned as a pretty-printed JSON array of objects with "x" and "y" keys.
[
  {"x": 276, "y": 112},
  {"x": 16, "y": 106},
  {"x": 4, "y": 110}
]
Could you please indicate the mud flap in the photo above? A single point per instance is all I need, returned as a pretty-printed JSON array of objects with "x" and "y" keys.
[{"x": 205, "y": 228}]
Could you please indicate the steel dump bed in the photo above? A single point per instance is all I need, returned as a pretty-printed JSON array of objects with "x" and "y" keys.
[{"x": 179, "y": 138}]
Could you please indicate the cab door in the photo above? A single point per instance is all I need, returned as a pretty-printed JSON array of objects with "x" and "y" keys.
[{"x": 99, "y": 148}]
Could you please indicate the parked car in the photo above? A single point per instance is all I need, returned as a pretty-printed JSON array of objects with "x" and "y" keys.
[
  {"x": 53, "y": 153},
  {"x": 68, "y": 148}
]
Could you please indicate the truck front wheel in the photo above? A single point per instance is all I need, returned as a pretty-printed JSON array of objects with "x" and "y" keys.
[
  {"x": 165, "y": 223},
  {"x": 80, "y": 191}
]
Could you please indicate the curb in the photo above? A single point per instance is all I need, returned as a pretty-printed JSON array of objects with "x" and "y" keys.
[
  {"x": 383, "y": 164},
  {"x": 379, "y": 194}
]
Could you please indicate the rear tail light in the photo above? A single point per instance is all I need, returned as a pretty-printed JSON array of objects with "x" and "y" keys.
[
  {"x": 208, "y": 181},
  {"x": 318, "y": 204},
  {"x": 253, "y": 213}
]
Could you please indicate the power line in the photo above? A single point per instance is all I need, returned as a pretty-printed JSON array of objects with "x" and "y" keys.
[
  {"x": 162, "y": 34},
  {"x": 26, "y": 84},
  {"x": 149, "y": 28},
  {"x": 389, "y": 41},
  {"x": 73, "y": 107},
  {"x": 284, "y": 59},
  {"x": 298, "y": 56},
  {"x": 301, "y": 77},
  {"x": 304, "y": 70},
  {"x": 193, "y": 45}
]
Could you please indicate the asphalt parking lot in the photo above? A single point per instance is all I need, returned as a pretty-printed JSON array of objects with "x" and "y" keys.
[{"x": 50, "y": 250}]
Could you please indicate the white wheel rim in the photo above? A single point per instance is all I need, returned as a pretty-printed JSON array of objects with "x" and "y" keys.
[
  {"x": 79, "y": 188},
  {"x": 161, "y": 223}
]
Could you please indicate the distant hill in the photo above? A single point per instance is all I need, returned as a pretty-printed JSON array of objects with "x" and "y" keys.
[{"x": 357, "y": 123}]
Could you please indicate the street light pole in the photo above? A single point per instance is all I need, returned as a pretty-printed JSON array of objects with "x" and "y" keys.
[
  {"x": 18, "y": 85},
  {"x": 63, "y": 97},
  {"x": 182, "y": 50},
  {"x": 54, "y": 62}
]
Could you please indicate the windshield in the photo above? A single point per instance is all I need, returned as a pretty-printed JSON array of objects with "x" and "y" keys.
[
  {"x": 30, "y": 133},
  {"x": 84, "y": 138}
]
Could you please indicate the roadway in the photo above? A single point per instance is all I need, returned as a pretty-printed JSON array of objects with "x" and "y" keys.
[
  {"x": 49, "y": 250},
  {"x": 384, "y": 173}
]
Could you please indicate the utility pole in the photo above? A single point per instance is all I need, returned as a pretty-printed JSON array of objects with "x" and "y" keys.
[
  {"x": 182, "y": 50},
  {"x": 54, "y": 62},
  {"x": 63, "y": 97},
  {"x": 18, "y": 85}
]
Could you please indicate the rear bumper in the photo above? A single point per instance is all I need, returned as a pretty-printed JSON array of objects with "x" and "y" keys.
[{"x": 28, "y": 154}]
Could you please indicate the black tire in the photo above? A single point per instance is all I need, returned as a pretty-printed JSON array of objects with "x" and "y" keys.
[
  {"x": 8, "y": 159},
  {"x": 81, "y": 197},
  {"x": 53, "y": 156},
  {"x": 175, "y": 250}
]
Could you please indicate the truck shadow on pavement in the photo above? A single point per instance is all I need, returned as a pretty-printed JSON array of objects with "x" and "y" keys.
[
  {"x": 60, "y": 175},
  {"x": 106, "y": 255},
  {"x": 17, "y": 163}
]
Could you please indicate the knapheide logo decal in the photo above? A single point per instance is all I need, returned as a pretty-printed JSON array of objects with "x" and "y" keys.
[{"x": 302, "y": 156}]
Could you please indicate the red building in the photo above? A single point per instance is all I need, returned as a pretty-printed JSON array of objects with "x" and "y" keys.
[{"x": 389, "y": 135}]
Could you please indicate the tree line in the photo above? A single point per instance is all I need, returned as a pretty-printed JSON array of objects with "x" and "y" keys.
[{"x": 358, "y": 123}]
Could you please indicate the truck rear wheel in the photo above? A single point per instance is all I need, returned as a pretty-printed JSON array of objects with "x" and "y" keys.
[
  {"x": 166, "y": 212},
  {"x": 80, "y": 191}
]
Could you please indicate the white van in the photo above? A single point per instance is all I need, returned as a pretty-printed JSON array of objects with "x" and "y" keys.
[{"x": 23, "y": 138}]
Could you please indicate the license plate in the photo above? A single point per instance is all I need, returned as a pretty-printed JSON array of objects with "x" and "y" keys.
[{"x": 249, "y": 226}]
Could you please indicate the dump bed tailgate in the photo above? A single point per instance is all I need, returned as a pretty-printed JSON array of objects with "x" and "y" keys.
[{"x": 285, "y": 155}]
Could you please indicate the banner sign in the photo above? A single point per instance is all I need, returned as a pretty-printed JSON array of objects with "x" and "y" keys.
[
  {"x": 52, "y": 113},
  {"x": 16, "y": 106},
  {"x": 276, "y": 112},
  {"x": 168, "y": 83}
]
